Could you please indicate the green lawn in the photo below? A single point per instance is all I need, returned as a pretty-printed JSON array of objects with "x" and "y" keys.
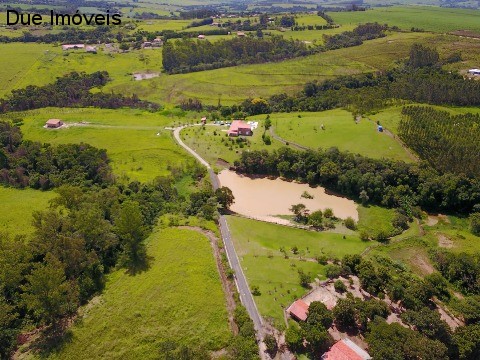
[
  {"x": 374, "y": 219},
  {"x": 258, "y": 246},
  {"x": 429, "y": 18},
  {"x": 179, "y": 298},
  {"x": 207, "y": 141},
  {"x": 17, "y": 207},
  {"x": 340, "y": 131},
  {"x": 129, "y": 136}
]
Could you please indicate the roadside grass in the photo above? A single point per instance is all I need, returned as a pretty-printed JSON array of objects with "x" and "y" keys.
[
  {"x": 179, "y": 298},
  {"x": 340, "y": 131},
  {"x": 17, "y": 207},
  {"x": 207, "y": 142},
  {"x": 258, "y": 246},
  {"x": 129, "y": 136},
  {"x": 428, "y": 18}
]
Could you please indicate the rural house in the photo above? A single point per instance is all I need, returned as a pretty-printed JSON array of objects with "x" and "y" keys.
[
  {"x": 298, "y": 310},
  {"x": 54, "y": 123},
  {"x": 346, "y": 349},
  {"x": 239, "y": 128},
  {"x": 72, "y": 47}
]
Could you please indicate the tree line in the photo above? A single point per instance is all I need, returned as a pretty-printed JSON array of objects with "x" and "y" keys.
[
  {"x": 71, "y": 90},
  {"x": 385, "y": 182},
  {"x": 449, "y": 143},
  {"x": 25, "y": 163},
  {"x": 188, "y": 55}
]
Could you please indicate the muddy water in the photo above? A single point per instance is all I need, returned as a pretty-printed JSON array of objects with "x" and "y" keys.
[{"x": 264, "y": 198}]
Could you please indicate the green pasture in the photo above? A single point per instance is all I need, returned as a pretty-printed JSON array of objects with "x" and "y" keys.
[
  {"x": 136, "y": 141},
  {"x": 428, "y": 18},
  {"x": 178, "y": 298},
  {"x": 17, "y": 207},
  {"x": 207, "y": 142},
  {"x": 258, "y": 246},
  {"x": 374, "y": 219},
  {"x": 340, "y": 130}
]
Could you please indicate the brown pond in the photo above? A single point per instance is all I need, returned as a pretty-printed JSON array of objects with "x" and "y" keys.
[{"x": 263, "y": 198}]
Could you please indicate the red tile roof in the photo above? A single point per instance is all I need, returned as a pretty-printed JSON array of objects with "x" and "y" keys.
[
  {"x": 299, "y": 309},
  {"x": 346, "y": 350},
  {"x": 237, "y": 125}
]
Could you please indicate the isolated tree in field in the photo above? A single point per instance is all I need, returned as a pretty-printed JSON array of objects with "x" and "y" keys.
[
  {"x": 225, "y": 197},
  {"x": 267, "y": 123},
  {"x": 129, "y": 226},
  {"x": 47, "y": 293}
]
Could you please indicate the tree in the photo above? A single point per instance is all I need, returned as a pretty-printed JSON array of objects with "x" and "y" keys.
[
  {"x": 304, "y": 278},
  {"x": 328, "y": 213},
  {"x": 300, "y": 211},
  {"x": 364, "y": 197},
  {"x": 345, "y": 313},
  {"x": 438, "y": 284},
  {"x": 294, "y": 337},
  {"x": 318, "y": 339},
  {"x": 271, "y": 344},
  {"x": 475, "y": 223},
  {"x": 129, "y": 226},
  {"x": 268, "y": 123},
  {"x": 428, "y": 323},
  {"x": 422, "y": 56},
  {"x": 467, "y": 342},
  {"x": 319, "y": 315},
  {"x": 315, "y": 219},
  {"x": 350, "y": 223},
  {"x": 339, "y": 286},
  {"x": 394, "y": 342},
  {"x": 8, "y": 330},
  {"x": 225, "y": 197},
  {"x": 47, "y": 293},
  {"x": 352, "y": 262}
]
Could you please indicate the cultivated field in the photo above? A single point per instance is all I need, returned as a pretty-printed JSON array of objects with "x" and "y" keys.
[{"x": 179, "y": 298}]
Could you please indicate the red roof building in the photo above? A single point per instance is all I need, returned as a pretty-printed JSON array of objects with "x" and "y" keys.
[
  {"x": 54, "y": 123},
  {"x": 298, "y": 310},
  {"x": 239, "y": 128},
  {"x": 346, "y": 349}
]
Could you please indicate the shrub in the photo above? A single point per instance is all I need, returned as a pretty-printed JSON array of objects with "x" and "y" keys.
[
  {"x": 350, "y": 223},
  {"x": 339, "y": 286}
]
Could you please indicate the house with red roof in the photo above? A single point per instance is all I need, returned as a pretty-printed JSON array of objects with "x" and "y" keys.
[
  {"x": 240, "y": 128},
  {"x": 298, "y": 310},
  {"x": 346, "y": 349}
]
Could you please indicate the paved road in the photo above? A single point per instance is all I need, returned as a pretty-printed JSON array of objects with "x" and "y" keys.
[{"x": 240, "y": 279}]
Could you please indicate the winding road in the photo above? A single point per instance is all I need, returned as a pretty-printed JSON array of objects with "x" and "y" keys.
[{"x": 240, "y": 280}]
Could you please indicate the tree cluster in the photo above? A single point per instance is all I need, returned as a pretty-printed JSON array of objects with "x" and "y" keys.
[
  {"x": 189, "y": 55},
  {"x": 69, "y": 91}
]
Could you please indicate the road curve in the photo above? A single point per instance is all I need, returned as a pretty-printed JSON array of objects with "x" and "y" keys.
[{"x": 240, "y": 279}]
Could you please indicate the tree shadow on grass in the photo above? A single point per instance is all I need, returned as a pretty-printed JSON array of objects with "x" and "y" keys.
[
  {"x": 140, "y": 265},
  {"x": 53, "y": 339}
]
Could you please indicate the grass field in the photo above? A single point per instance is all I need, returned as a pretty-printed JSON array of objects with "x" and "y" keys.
[
  {"x": 428, "y": 18},
  {"x": 17, "y": 207},
  {"x": 129, "y": 136},
  {"x": 258, "y": 246},
  {"x": 340, "y": 130},
  {"x": 179, "y": 298},
  {"x": 374, "y": 219}
]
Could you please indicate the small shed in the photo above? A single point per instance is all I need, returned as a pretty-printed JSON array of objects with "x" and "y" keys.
[
  {"x": 201, "y": 37},
  {"x": 204, "y": 120},
  {"x": 241, "y": 34},
  {"x": 298, "y": 310},
  {"x": 54, "y": 123}
]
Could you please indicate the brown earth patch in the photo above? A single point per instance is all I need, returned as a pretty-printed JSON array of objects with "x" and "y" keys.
[{"x": 444, "y": 241}]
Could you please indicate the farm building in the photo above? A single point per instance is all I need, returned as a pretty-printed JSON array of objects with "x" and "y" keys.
[
  {"x": 201, "y": 37},
  {"x": 238, "y": 128},
  {"x": 72, "y": 47},
  {"x": 91, "y": 49},
  {"x": 241, "y": 34},
  {"x": 204, "y": 120},
  {"x": 346, "y": 350},
  {"x": 474, "y": 71},
  {"x": 298, "y": 310},
  {"x": 54, "y": 123}
]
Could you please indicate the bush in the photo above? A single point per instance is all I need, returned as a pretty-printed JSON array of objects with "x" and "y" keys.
[
  {"x": 271, "y": 344},
  {"x": 350, "y": 223},
  {"x": 328, "y": 213},
  {"x": 475, "y": 223},
  {"x": 339, "y": 286}
]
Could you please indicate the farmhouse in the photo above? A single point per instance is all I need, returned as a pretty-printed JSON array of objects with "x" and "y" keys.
[
  {"x": 72, "y": 47},
  {"x": 54, "y": 123},
  {"x": 238, "y": 128},
  {"x": 346, "y": 350},
  {"x": 474, "y": 71},
  {"x": 298, "y": 310}
]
